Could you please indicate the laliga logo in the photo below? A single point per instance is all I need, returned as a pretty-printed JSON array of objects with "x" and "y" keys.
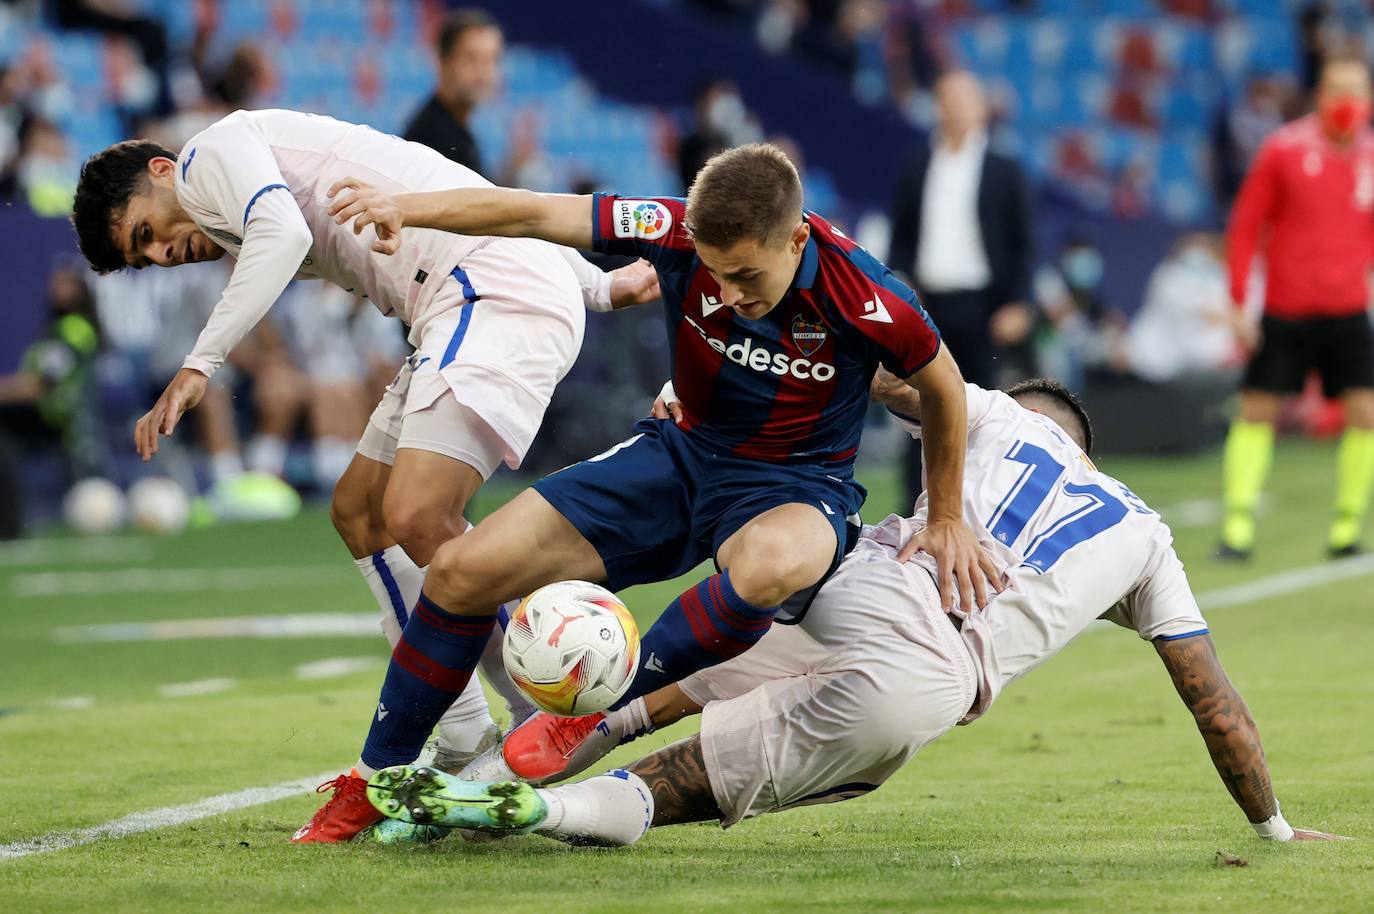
[
  {"x": 646, "y": 219},
  {"x": 747, "y": 355},
  {"x": 649, "y": 218}
]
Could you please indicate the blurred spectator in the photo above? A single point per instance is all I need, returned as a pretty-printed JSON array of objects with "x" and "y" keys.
[
  {"x": 961, "y": 227},
  {"x": 53, "y": 396},
  {"x": 115, "y": 17},
  {"x": 470, "y": 47},
  {"x": 719, "y": 120},
  {"x": 1185, "y": 326},
  {"x": 1242, "y": 129},
  {"x": 45, "y": 172},
  {"x": 1084, "y": 332}
]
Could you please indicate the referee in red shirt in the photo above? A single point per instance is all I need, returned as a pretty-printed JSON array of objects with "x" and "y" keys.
[{"x": 1307, "y": 207}]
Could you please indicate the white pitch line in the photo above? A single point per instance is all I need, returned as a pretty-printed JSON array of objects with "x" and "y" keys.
[
  {"x": 76, "y": 550},
  {"x": 291, "y": 625},
  {"x": 164, "y": 817},
  {"x": 331, "y": 667},
  {"x": 181, "y": 580},
  {"x": 1285, "y": 582},
  {"x": 196, "y": 687}
]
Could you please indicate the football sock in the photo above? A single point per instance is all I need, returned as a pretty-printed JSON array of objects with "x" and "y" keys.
[
  {"x": 1354, "y": 483},
  {"x": 430, "y": 667},
  {"x": 630, "y": 722},
  {"x": 225, "y": 465},
  {"x": 614, "y": 809},
  {"x": 708, "y": 624},
  {"x": 493, "y": 668},
  {"x": 1245, "y": 465},
  {"x": 266, "y": 454},
  {"x": 395, "y": 583}
]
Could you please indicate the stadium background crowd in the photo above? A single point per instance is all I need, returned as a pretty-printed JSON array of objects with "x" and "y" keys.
[{"x": 1130, "y": 122}]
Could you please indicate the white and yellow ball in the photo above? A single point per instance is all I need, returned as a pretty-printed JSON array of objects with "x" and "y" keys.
[{"x": 572, "y": 647}]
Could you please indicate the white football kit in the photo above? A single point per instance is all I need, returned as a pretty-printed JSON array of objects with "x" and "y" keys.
[
  {"x": 831, "y": 707},
  {"x": 496, "y": 321}
]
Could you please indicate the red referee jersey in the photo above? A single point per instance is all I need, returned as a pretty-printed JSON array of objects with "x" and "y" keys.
[{"x": 1308, "y": 208}]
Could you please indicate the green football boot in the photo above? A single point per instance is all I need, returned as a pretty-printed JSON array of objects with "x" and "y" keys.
[
  {"x": 427, "y": 796},
  {"x": 396, "y": 832}
]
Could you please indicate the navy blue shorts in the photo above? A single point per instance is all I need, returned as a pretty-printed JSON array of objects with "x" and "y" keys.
[{"x": 657, "y": 505}]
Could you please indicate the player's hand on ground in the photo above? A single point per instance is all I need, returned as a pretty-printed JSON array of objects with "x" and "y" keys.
[
  {"x": 966, "y": 568},
  {"x": 667, "y": 405},
  {"x": 634, "y": 284},
  {"x": 366, "y": 205},
  {"x": 182, "y": 394},
  {"x": 1307, "y": 834}
]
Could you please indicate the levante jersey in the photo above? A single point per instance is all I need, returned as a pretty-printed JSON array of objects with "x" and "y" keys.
[{"x": 791, "y": 386}]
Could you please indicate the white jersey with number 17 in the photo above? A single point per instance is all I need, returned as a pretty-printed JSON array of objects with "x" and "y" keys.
[{"x": 1077, "y": 543}]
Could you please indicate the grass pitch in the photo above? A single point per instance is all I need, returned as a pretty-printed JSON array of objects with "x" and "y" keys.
[{"x": 1085, "y": 789}]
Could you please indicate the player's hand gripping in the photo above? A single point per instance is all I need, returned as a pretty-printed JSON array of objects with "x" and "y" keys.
[
  {"x": 366, "y": 205},
  {"x": 667, "y": 405},
  {"x": 965, "y": 566},
  {"x": 182, "y": 394},
  {"x": 634, "y": 284}
]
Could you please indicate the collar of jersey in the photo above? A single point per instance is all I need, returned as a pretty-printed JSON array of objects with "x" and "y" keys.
[{"x": 810, "y": 259}]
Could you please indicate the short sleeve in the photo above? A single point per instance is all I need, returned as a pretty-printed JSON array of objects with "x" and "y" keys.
[
  {"x": 884, "y": 310},
  {"x": 982, "y": 404},
  {"x": 226, "y": 169},
  {"x": 648, "y": 227},
  {"x": 1162, "y": 606}
]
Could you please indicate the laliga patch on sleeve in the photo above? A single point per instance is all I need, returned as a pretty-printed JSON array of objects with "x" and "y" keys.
[{"x": 644, "y": 219}]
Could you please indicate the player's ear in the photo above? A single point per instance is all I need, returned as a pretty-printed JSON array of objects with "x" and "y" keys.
[
  {"x": 161, "y": 166},
  {"x": 800, "y": 234}
]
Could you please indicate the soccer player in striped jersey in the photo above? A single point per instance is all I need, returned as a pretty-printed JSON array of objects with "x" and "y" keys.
[{"x": 777, "y": 323}]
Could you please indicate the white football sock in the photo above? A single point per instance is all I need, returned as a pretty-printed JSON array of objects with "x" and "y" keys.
[
  {"x": 226, "y": 465},
  {"x": 631, "y": 721},
  {"x": 615, "y": 808},
  {"x": 493, "y": 668},
  {"x": 267, "y": 454}
]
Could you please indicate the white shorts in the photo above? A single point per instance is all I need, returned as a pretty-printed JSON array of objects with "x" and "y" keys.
[
  {"x": 831, "y": 708},
  {"x": 484, "y": 368}
]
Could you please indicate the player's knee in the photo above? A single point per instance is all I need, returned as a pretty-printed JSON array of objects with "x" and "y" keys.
[
  {"x": 462, "y": 576},
  {"x": 765, "y": 570},
  {"x": 420, "y": 528},
  {"x": 350, "y": 512}
]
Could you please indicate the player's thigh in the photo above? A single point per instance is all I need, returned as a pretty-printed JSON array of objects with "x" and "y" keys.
[
  {"x": 787, "y": 547},
  {"x": 524, "y": 545},
  {"x": 429, "y": 487}
]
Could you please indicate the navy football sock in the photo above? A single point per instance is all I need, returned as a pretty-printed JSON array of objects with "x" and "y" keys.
[
  {"x": 430, "y": 666},
  {"x": 708, "y": 624}
]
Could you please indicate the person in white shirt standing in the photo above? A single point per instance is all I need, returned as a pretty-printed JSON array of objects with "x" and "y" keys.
[
  {"x": 495, "y": 323},
  {"x": 961, "y": 227},
  {"x": 829, "y": 708}
]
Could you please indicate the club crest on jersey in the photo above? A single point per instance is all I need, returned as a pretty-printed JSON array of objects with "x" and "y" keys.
[
  {"x": 645, "y": 219},
  {"x": 808, "y": 335}
]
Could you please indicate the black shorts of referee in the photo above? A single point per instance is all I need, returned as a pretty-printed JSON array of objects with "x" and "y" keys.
[{"x": 1340, "y": 349}]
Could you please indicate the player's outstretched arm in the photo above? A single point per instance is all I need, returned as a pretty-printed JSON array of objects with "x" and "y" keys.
[
  {"x": 560, "y": 218},
  {"x": 965, "y": 567},
  {"x": 1230, "y": 734}
]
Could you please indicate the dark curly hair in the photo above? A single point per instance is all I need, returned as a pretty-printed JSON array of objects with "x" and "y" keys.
[
  {"x": 108, "y": 179},
  {"x": 1057, "y": 393}
]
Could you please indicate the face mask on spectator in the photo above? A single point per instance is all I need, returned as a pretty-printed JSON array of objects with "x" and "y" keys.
[
  {"x": 1343, "y": 116},
  {"x": 1082, "y": 268}
]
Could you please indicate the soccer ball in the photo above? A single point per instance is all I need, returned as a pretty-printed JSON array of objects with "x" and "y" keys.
[
  {"x": 572, "y": 647},
  {"x": 158, "y": 505},
  {"x": 94, "y": 506}
]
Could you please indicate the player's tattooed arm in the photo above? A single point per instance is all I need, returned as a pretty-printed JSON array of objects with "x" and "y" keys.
[
  {"x": 1224, "y": 722},
  {"x": 678, "y": 780}
]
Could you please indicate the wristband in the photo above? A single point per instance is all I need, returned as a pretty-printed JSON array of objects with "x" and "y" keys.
[{"x": 1274, "y": 828}]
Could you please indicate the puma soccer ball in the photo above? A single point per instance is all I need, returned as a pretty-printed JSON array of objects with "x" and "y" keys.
[{"x": 572, "y": 647}]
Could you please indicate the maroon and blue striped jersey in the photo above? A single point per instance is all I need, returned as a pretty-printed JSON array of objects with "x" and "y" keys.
[{"x": 791, "y": 386}]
